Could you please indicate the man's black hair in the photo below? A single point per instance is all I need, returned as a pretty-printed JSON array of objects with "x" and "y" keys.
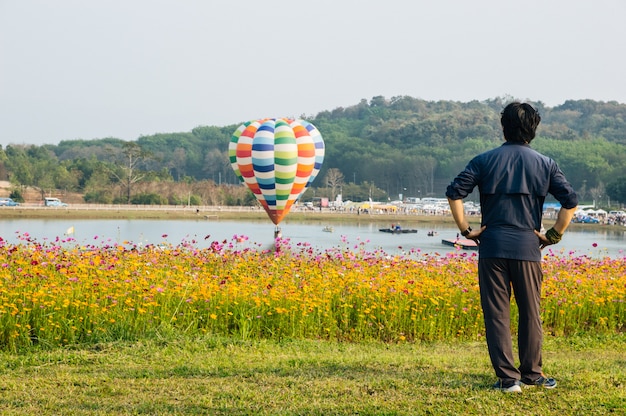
[{"x": 519, "y": 122}]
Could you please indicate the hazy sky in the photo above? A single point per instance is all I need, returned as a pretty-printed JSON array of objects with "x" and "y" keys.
[{"x": 87, "y": 69}]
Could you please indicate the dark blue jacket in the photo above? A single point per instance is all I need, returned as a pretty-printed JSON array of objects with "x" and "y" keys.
[{"x": 513, "y": 181}]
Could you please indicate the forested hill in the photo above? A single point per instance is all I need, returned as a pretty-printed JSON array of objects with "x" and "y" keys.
[
  {"x": 407, "y": 142},
  {"x": 401, "y": 145}
]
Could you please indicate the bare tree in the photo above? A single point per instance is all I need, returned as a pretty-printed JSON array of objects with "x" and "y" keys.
[
  {"x": 334, "y": 180},
  {"x": 597, "y": 193},
  {"x": 132, "y": 156}
]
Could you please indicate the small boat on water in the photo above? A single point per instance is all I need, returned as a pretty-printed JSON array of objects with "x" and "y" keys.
[
  {"x": 328, "y": 229},
  {"x": 432, "y": 233},
  {"x": 397, "y": 230},
  {"x": 464, "y": 243}
]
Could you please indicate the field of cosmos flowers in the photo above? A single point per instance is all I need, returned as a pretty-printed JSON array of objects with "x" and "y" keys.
[{"x": 62, "y": 293}]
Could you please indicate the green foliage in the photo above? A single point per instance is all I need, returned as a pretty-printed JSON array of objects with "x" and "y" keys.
[
  {"x": 371, "y": 142},
  {"x": 98, "y": 197},
  {"x": 592, "y": 160},
  {"x": 401, "y": 145},
  {"x": 16, "y": 195},
  {"x": 148, "y": 199},
  {"x": 195, "y": 200},
  {"x": 617, "y": 189},
  {"x": 245, "y": 198},
  {"x": 192, "y": 200}
]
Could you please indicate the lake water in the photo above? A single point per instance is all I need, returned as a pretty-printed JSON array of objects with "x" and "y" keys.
[{"x": 595, "y": 242}]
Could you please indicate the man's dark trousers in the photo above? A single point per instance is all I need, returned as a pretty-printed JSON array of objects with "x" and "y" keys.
[{"x": 496, "y": 278}]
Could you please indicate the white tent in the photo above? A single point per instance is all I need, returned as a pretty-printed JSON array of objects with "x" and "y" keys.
[{"x": 595, "y": 212}]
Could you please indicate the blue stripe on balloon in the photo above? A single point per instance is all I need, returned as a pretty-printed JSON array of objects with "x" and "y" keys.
[
  {"x": 267, "y": 126},
  {"x": 263, "y": 168},
  {"x": 263, "y": 147}
]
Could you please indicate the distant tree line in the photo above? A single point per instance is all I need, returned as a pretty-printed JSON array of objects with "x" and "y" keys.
[{"x": 381, "y": 149}]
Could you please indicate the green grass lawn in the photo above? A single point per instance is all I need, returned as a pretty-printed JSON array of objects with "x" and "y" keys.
[{"x": 216, "y": 376}]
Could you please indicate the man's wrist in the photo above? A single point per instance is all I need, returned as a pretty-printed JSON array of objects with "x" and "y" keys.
[
  {"x": 467, "y": 231},
  {"x": 553, "y": 236}
]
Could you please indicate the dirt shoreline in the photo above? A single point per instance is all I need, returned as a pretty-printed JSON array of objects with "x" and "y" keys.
[{"x": 210, "y": 213}]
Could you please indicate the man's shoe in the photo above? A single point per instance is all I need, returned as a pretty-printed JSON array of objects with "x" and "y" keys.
[
  {"x": 548, "y": 383},
  {"x": 508, "y": 388}
]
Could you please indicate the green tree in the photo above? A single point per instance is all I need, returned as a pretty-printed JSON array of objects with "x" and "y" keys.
[
  {"x": 148, "y": 199},
  {"x": 616, "y": 190},
  {"x": 19, "y": 167},
  {"x": 98, "y": 188}
]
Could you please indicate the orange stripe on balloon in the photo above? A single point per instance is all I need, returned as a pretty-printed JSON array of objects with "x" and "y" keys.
[
  {"x": 242, "y": 146},
  {"x": 254, "y": 188},
  {"x": 304, "y": 171},
  {"x": 246, "y": 171},
  {"x": 297, "y": 189},
  {"x": 249, "y": 131},
  {"x": 300, "y": 131}
]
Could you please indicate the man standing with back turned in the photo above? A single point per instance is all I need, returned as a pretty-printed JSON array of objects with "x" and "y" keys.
[{"x": 513, "y": 181}]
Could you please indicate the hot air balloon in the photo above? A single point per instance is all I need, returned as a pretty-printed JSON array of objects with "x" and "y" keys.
[{"x": 277, "y": 158}]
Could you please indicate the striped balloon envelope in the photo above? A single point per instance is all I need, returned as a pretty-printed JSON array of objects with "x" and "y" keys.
[{"x": 278, "y": 159}]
